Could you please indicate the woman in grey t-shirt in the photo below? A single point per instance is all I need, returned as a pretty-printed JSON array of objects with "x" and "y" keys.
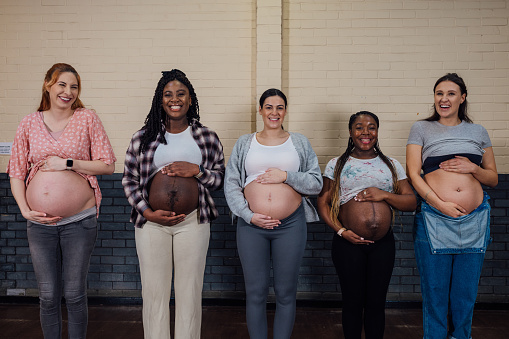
[{"x": 452, "y": 227}]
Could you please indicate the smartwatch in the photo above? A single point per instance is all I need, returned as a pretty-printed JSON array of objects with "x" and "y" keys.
[
  {"x": 198, "y": 176},
  {"x": 68, "y": 164}
]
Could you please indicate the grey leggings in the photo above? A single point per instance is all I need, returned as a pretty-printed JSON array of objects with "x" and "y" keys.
[{"x": 255, "y": 245}]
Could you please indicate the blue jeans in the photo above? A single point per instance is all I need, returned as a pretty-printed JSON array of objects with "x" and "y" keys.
[
  {"x": 448, "y": 286},
  {"x": 286, "y": 243},
  {"x": 62, "y": 254}
]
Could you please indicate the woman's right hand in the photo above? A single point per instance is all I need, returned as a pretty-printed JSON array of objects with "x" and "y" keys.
[
  {"x": 355, "y": 239},
  {"x": 451, "y": 209},
  {"x": 41, "y": 217},
  {"x": 264, "y": 221},
  {"x": 162, "y": 217}
]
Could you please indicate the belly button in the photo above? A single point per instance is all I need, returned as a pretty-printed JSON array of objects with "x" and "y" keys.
[{"x": 458, "y": 190}]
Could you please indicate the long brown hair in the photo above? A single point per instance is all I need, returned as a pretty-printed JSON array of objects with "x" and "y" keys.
[
  {"x": 463, "y": 109},
  {"x": 336, "y": 184},
  {"x": 51, "y": 78}
]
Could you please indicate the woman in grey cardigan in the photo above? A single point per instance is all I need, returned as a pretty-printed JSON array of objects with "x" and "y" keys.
[{"x": 267, "y": 179}]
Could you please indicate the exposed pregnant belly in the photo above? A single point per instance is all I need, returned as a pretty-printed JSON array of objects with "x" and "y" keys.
[
  {"x": 370, "y": 220},
  {"x": 175, "y": 194},
  {"x": 60, "y": 193},
  {"x": 275, "y": 200},
  {"x": 462, "y": 189}
]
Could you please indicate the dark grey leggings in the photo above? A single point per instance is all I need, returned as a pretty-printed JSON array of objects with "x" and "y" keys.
[{"x": 286, "y": 243}]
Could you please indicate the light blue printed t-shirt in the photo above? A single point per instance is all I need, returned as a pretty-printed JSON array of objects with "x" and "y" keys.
[{"x": 359, "y": 174}]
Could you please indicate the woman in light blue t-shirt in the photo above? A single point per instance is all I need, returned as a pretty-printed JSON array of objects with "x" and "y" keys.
[{"x": 360, "y": 189}]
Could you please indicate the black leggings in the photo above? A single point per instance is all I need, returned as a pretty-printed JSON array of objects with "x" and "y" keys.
[{"x": 364, "y": 273}]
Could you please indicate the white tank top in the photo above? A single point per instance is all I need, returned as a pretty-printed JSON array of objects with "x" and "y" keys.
[
  {"x": 259, "y": 158},
  {"x": 180, "y": 147}
]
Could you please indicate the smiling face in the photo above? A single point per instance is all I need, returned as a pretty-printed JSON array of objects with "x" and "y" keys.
[
  {"x": 176, "y": 101},
  {"x": 273, "y": 112},
  {"x": 448, "y": 99},
  {"x": 364, "y": 134},
  {"x": 64, "y": 92}
]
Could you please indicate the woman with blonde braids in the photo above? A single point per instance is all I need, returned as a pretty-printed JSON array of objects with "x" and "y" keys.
[{"x": 360, "y": 189}]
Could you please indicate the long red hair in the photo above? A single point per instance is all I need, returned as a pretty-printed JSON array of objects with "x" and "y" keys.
[{"x": 51, "y": 78}]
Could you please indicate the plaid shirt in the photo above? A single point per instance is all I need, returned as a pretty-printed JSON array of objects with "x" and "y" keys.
[{"x": 137, "y": 172}]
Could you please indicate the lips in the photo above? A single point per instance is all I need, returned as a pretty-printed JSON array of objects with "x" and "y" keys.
[
  {"x": 175, "y": 107},
  {"x": 365, "y": 141},
  {"x": 65, "y": 99}
]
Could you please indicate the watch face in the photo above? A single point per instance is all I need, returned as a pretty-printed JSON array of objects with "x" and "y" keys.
[{"x": 69, "y": 163}]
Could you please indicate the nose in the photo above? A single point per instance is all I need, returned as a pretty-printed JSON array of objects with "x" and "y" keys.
[{"x": 67, "y": 90}]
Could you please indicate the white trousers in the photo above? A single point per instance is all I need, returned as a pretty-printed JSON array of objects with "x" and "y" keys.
[{"x": 161, "y": 250}]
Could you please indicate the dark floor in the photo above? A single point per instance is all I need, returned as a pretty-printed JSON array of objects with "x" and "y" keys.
[{"x": 219, "y": 322}]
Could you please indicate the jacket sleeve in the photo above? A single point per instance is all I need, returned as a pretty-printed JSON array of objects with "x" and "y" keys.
[
  {"x": 131, "y": 177},
  {"x": 308, "y": 181},
  {"x": 213, "y": 171},
  {"x": 233, "y": 185}
]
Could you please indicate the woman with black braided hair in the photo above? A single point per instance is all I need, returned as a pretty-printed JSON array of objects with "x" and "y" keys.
[
  {"x": 360, "y": 189},
  {"x": 171, "y": 166}
]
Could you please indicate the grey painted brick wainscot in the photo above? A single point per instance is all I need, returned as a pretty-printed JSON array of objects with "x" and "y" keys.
[{"x": 114, "y": 267}]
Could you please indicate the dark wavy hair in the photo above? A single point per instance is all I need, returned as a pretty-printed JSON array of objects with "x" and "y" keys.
[
  {"x": 463, "y": 109},
  {"x": 156, "y": 120},
  {"x": 336, "y": 185},
  {"x": 51, "y": 78}
]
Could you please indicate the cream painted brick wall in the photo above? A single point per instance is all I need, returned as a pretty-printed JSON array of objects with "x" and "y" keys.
[
  {"x": 119, "y": 49},
  {"x": 332, "y": 58},
  {"x": 385, "y": 57}
]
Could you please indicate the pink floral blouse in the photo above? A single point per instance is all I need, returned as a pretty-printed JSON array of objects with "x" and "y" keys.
[{"x": 84, "y": 138}]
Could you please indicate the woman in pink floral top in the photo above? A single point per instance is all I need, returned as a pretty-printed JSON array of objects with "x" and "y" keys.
[{"x": 56, "y": 154}]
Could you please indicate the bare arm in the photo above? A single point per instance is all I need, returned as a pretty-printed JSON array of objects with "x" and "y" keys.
[
  {"x": 486, "y": 174},
  {"x": 90, "y": 167}
]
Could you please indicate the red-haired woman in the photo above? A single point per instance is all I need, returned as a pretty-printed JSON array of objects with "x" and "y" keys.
[{"x": 56, "y": 154}]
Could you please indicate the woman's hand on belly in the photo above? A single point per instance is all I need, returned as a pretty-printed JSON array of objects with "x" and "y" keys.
[
  {"x": 451, "y": 209},
  {"x": 264, "y": 221},
  {"x": 371, "y": 194},
  {"x": 165, "y": 218},
  {"x": 272, "y": 176},
  {"x": 54, "y": 163},
  {"x": 41, "y": 218},
  {"x": 181, "y": 169},
  {"x": 459, "y": 164},
  {"x": 355, "y": 239}
]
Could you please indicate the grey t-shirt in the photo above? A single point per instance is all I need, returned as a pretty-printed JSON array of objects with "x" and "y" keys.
[{"x": 438, "y": 140}]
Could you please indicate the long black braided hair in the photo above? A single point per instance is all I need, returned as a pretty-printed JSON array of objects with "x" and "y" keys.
[
  {"x": 156, "y": 120},
  {"x": 336, "y": 185}
]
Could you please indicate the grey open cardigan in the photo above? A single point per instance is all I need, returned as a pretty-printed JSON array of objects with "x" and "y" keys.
[{"x": 307, "y": 181}]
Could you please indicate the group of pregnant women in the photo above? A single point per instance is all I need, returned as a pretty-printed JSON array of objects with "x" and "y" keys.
[{"x": 173, "y": 163}]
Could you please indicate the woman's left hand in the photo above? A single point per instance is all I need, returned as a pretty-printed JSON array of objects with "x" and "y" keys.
[
  {"x": 371, "y": 194},
  {"x": 272, "y": 176},
  {"x": 53, "y": 164},
  {"x": 181, "y": 169},
  {"x": 459, "y": 164}
]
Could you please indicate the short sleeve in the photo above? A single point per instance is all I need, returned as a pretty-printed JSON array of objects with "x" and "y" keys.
[
  {"x": 485, "y": 138},
  {"x": 415, "y": 136},
  {"x": 100, "y": 144},
  {"x": 18, "y": 162},
  {"x": 400, "y": 171},
  {"x": 329, "y": 169}
]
